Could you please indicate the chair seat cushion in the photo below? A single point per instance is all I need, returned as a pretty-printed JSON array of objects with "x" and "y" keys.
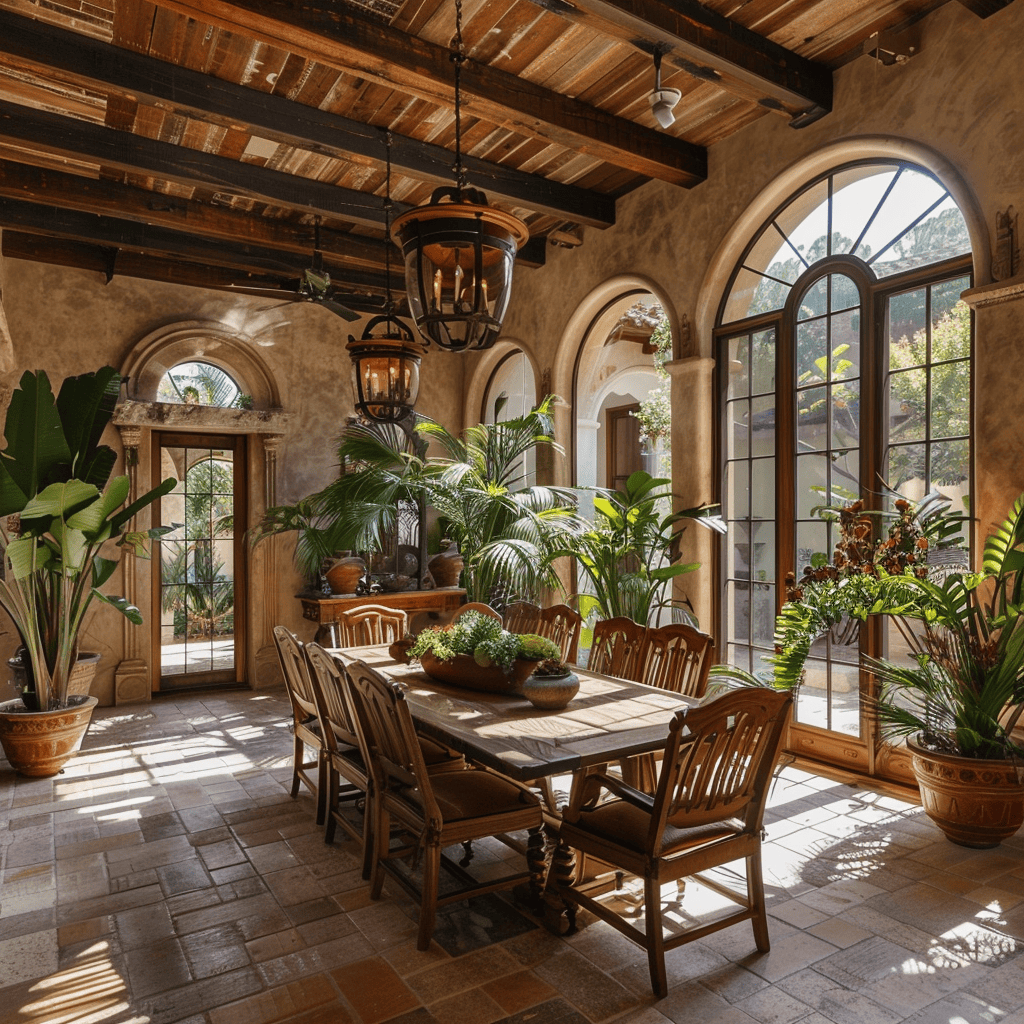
[
  {"x": 623, "y": 824},
  {"x": 434, "y": 755},
  {"x": 475, "y": 794}
]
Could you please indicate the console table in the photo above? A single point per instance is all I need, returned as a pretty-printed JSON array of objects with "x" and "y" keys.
[{"x": 324, "y": 610}]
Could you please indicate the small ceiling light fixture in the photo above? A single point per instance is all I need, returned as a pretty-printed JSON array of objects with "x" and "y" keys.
[
  {"x": 459, "y": 252},
  {"x": 662, "y": 101},
  {"x": 386, "y": 366}
]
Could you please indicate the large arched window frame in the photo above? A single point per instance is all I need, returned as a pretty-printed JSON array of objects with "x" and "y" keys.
[{"x": 819, "y": 413}]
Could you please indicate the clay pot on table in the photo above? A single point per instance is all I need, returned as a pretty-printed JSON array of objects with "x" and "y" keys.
[{"x": 344, "y": 574}]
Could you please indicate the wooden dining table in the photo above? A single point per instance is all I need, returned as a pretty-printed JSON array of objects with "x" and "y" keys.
[{"x": 610, "y": 719}]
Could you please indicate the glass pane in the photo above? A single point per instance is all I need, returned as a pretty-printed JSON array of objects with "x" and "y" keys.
[
  {"x": 912, "y": 194},
  {"x": 812, "y": 701},
  {"x": 844, "y": 482},
  {"x": 908, "y": 315},
  {"x": 951, "y": 334},
  {"x": 737, "y": 490},
  {"x": 845, "y": 343},
  {"x": 812, "y": 419},
  {"x": 811, "y": 539},
  {"x": 805, "y": 222},
  {"x": 844, "y": 698},
  {"x": 763, "y": 426},
  {"x": 946, "y": 295},
  {"x": 951, "y": 403},
  {"x": 906, "y": 463},
  {"x": 737, "y": 609},
  {"x": 763, "y": 611},
  {"x": 811, "y": 481},
  {"x": 739, "y": 366},
  {"x": 811, "y": 352},
  {"x": 907, "y": 405},
  {"x": 814, "y": 301},
  {"x": 739, "y": 544},
  {"x": 856, "y": 193},
  {"x": 763, "y": 477},
  {"x": 763, "y": 550},
  {"x": 738, "y": 441},
  {"x": 754, "y": 293},
  {"x": 845, "y": 293},
  {"x": 942, "y": 235},
  {"x": 763, "y": 363},
  {"x": 950, "y": 465},
  {"x": 846, "y": 414}
]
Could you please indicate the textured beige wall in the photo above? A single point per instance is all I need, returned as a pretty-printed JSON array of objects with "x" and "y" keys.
[
  {"x": 955, "y": 106},
  {"x": 68, "y": 322}
]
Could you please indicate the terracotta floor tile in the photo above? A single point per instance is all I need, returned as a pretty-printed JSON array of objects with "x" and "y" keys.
[
  {"x": 374, "y": 990},
  {"x": 518, "y": 991}
]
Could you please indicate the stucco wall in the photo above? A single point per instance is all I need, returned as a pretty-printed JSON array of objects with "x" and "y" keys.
[
  {"x": 69, "y": 322},
  {"x": 955, "y": 107}
]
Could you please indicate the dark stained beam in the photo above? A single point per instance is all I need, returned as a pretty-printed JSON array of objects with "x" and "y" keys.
[
  {"x": 101, "y": 66},
  {"x": 124, "y": 151},
  {"x": 240, "y": 257},
  {"x": 123, "y": 202},
  {"x": 710, "y": 47},
  {"x": 985, "y": 8},
  {"x": 338, "y": 36},
  {"x": 20, "y": 245}
]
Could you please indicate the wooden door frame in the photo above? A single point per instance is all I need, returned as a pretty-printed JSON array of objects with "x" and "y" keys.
[{"x": 238, "y": 443}]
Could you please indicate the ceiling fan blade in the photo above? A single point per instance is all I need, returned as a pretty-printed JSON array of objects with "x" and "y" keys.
[{"x": 338, "y": 309}]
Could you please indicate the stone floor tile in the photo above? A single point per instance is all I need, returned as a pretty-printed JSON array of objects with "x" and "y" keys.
[
  {"x": 473, "y": 1007},
  {"x": 157, "y": 967},
  {"x": 516, "y": 992},
  {"x": 215, "y": 951},
  {"x": 839, "y": 932},
  {"x": 589, "y": 989},
  {"x": 788, "y": 955},
  {"x": 693, "y": 1002},
  {"x": 835, "y": 1003},
  {"x": 375, "y": 991},
  {"x": 772, "y": 1006},
  {"x": 28, "y": 956},
  {"x": 284, "y": 1003}
]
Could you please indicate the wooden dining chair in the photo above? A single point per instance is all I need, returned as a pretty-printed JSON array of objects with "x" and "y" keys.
[
  {"x": 372, "y": 624},
  {"x": 559, "y": 623},
  {"x": 305, "y": 721},
  {"x": 348, "y": 778},
  {"x": 475, "y": 606},
  {"x": 436, "y": 810},
  {"x": 707, "y": 811},
  {"x": 676, "y": 657},
  {"x": 617, "y": 648}
]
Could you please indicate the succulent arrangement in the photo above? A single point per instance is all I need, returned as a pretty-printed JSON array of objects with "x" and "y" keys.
[{"x": 482, "y": 638}]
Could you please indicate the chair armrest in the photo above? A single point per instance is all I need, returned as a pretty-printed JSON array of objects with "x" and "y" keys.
[{"x": 587, "y": 786}]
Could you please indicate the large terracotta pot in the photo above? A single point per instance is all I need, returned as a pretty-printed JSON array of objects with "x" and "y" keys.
[
  {"x": 83, "y": 672},
  {"x": 976, "y": 803},
  {"x": 462, "y": 670},
  {"x": 38, "y": 743},
  {"x": 446, "y": 568},
  {"x": 344, "y": 574}
]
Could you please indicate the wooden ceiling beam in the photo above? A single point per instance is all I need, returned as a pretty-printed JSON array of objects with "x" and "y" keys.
[
  {"x": 80, "y": 141},
  {"x": 340, "y": 37},
  {"x": 20, "y": 245},
  {"x": 710, "y": 47},
  {"x": 240, "y": 257},
  {"x": 104, "y": 67}
]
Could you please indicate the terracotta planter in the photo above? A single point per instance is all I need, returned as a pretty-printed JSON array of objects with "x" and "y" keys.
[
  {"x": 38, "y": 743},
  {"x": 83, "y": 672},
  {"x": 976, "y": 803},
  {"x": 462, "y": 670},
  {"x": 551, "y": 693},
  {"x": 344, "y": 575},
  {"x": 446, "y": 568}
]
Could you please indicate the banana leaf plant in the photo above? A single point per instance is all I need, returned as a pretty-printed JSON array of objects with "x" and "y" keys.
[
  {"x": 63, "y": 524},
  {"x": 630, "y": 553}
]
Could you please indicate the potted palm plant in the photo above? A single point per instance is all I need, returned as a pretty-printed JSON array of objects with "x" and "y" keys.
[
  {"x": 63, "y": 526},
  {"x": 959, "y": 692}
]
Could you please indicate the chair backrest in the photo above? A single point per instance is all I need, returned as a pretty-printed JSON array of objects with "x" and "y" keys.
[
  {"x": 373, "y": 624},
  {"x": 392, "y": 747},
  {"x": 559, "y": 623},
  {"x": 330, "y": 681},
  {"x": 617, "y": 648},
  {"x": 475, "y": 606},
  {"x": 296, "y": 674},
  {"x": 676, "y": 657},
  {"x": 719, "y": 760}
]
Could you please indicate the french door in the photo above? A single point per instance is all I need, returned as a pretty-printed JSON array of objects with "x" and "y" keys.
[{"x": 198, "y": 588}]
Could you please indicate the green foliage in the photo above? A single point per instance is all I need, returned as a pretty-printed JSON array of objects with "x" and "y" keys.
[
  {"x": 630, "y": 554},
  {"x": 655, "y": 411},
  {"x": 482, "y": 637},
  {"x": 505, "y": 529},
  {"x": 963, "y": 690},
  {"x": 58, "y": 512}
]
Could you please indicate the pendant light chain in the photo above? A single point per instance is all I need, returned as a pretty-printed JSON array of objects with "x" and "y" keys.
[
  {"x": 458, "y": 59},
  {"x": 389, "y": 307}
]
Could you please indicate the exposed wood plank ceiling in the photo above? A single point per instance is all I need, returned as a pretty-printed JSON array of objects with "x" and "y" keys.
[{"x": 199, "y": 141}]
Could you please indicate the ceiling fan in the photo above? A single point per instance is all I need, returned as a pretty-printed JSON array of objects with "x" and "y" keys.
[{"x": 315, "y": 286}]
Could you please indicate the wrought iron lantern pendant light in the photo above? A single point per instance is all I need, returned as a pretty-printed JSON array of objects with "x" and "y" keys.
[
  {"x": 459, "y": 252},
  {"x": 386, "y": 366}
]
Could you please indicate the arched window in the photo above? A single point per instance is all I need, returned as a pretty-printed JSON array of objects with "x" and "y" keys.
[
  {"x": 198, "y": 383},
  {"x": 844, "y": 359}
]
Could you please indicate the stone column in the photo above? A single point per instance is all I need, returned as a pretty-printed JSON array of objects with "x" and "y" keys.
[
  {"x": 998, "y": 439},
  {"x": 132, "y": 676},
  {"x": 693, "y": 476},
  {"x": 264, "y": 577}
]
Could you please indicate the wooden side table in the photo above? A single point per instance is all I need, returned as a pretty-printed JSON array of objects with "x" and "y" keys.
[{"x": 325, "y": 610}]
